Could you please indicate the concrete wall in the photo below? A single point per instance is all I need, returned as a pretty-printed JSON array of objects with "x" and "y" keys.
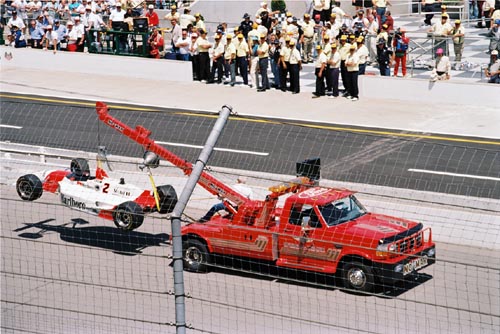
[
  {"x": 449, "y": 92},
  {"x": 76, "y": 62}
]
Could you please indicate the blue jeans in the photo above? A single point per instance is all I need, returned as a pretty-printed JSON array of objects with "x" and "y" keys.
[
  {"x": 381, "y": 13},
  {"x": 385, "y": 70},
  {"x": 213, "y": 210},
  {"x": 276, "y": 73}
]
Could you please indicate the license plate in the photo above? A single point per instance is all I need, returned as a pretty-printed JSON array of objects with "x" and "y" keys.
[{"x": 415, "y": 264}]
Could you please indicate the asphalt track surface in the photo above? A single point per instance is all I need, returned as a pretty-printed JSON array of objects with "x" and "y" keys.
[
  {"x": 464, "y": 166},
  {"x": 67, "y": 272}
]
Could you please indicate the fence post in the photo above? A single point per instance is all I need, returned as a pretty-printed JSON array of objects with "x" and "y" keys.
[{"x": 180, "y": 306}]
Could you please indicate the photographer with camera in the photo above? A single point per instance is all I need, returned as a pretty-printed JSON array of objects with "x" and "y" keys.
[{"x": 400, "y": 46}]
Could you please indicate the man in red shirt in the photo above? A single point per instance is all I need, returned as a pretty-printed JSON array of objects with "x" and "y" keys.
[{"x": 153, "y": 19}]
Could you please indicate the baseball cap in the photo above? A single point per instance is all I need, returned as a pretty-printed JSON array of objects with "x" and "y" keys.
[
  {"x": 458, "y": 22},
  {"x": 292, "y": 42},
  {"x": 385, "y": 26},
  {"x": 229, "y": 36},
  {"x": 76, "y": 18},
  {"x": 246, "y": 16},
  {"x": 360, "y": 11},
  {"x": 194, "y": 35},
  {"x": 48, "y": 26},
  {"x": 240, "y": 35},
  {"x": 173, "y": 7},
  {"x": 333, "y": 15},
  {"x": 118, "y": 4},
  {"x": 262, "y": 35},
  {"x": 343, "y": 38},
  {"x": 439, "y": 51},
  {"x": 359, "y": 40},
  {"x": 307, "y": 16},
  {"x": 318, "y": 47},
  {"x": 70, "y": 23},
  {"x": 151, "y": 7},
  {"x": 197, "y": 15},
  {"x": 88, "y": 7},
  {"x": 494, "y": 53},
  {"x": 326, "y": 37},
  {"x": 56, "y": 21},
  {"x": 444, "y": 15},
  {"x": 255, "y": 38},
  {"x": 381, "y": 41},
  {"x": 14, "y": 12},
  {"x": 352, "y": 47},
  {"x": 334, "y": 45},
  {"x": 443, "y": 7},
  {"x": 288, "y": 14}
]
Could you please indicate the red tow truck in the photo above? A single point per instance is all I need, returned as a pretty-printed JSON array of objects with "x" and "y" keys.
[{"x": 317, "y": 229}]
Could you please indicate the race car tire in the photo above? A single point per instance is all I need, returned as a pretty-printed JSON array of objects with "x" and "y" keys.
[
  {"x": 128, "y": 216},
  {"x": 195, "y": 255},
  {"x": 79, "y": 167},
  {"x": 357, "y": 276},
  {"x": 168, "y": 198},
  {"x": 29, "y": 187}
]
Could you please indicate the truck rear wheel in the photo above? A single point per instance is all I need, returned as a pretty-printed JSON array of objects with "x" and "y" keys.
[
  {"x": 128, "y": 216},
  {"x": 29, "y": 187},
  {"x": 357, "y": 276},
  {"x": 195, "y": 256}
]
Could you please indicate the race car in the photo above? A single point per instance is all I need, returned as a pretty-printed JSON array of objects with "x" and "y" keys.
[{"x": 113, "y": 199}]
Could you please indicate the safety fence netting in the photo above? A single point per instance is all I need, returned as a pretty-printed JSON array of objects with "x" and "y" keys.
[{"x": 295, "y": 227}]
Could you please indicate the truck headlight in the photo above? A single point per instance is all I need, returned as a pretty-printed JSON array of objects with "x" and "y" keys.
[
  {"x": 385, "y": 250},
  {"x": 431, "y": 252}
]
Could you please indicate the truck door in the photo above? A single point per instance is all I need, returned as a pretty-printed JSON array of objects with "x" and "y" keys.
[{"x": 300, "y": 243}]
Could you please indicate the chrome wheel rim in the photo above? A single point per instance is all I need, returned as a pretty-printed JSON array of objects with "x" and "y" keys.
[{"x": 356, "y": 277}]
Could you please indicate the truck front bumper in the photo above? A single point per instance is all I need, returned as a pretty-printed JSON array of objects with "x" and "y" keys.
[{"x": 392, "y": 272}]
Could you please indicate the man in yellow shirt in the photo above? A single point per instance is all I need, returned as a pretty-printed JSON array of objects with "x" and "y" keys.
[{"x": 263, "y": 54}]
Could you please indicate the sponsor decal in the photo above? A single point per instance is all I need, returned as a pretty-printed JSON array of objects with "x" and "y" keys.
[
  {"x": 257, "y": 246},
  {"x": 71, "y": 202},
  {"x": 121, "y": 192},
  {"x": 313, "y": 252},
  {"x": 116, "y": 126},
  {"x": 313, "y": 192}
]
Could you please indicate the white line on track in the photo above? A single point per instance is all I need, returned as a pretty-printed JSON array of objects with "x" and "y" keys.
[
  {"x": 454, "y": 174},
  {"x": 10, "y": 126},
  {"x": 215, "y": 149}
]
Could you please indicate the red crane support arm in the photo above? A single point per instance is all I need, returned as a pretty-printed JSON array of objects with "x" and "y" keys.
[{"x": 141, "y": 136}]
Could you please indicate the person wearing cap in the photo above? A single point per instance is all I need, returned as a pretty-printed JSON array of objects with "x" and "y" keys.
[
  {"x": 442, "y": 66},
  {"x": 343, "y": 49},
  {"x": 245, "y": 26},
  {"x": 117, "y": 15},
  {"x": 274, "y": 57},
  {"x": 294, "y": 32},
  {"x": 185, "y": 19},
  {"x": 71, "y": 37},
  {"x": 174, "y": 14},
  {"x": 295, "y": 68},
  {"x": 254, "y": 59},
  {"x": 199, "y": 21},
  {"x": 352, "y": 65},
  {"x": 307, "y": 38},
  {"x": 284, "y": 63},
  {"x": 334, "y": 64},
  {"x": 383, "y": 34},
  {"x": 49, "y": 40},
  {"x": 326, "y": 51},
  {"x": 363, "y": 54},
  {"x": 319, "y": 72},
  {"x": 217, "y": 52},
  {"x": 263, "y": 57},
  {"x": 242, "y": 57},
  {"x": 334, "y": 26},
  {"x": 152, "y": 16},
  {"x": 360, "y": 20},
  {"x": 61, "y": 31},
  {"x": 263, "y": 8},
  {"x": 440, "y": 31},
  {"x": 457, "y": 33},
  {"x": 492, "y": 72},
  {"x": 253, "y": 34},
  {"x": 494, "y": 36},
  {"x": 230, "y": 60},
  {"x": 428, "y": 6},
  {"x": 400, "y": 47},
  {"x": 371, "y": 38},
  {"x": 204, "y": 58},
  {"x": 16, "y": 20},
  {"x": 384, "y": 56}
]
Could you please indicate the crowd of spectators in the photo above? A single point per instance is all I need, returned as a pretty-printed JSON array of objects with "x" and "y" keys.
[{"x": 339, "y": 45}]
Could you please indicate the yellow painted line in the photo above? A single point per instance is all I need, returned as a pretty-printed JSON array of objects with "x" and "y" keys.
[
  {"x": 346, "y": 129},
  {"x": 323, "y": 127},
  {"x": 88, "y": 104}
]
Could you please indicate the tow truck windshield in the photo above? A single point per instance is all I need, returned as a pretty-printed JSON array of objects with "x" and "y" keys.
[{"x": 342, "y": 210}]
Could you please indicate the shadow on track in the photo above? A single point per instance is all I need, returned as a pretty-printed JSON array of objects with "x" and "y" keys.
[{"x": 106, "y": 237}]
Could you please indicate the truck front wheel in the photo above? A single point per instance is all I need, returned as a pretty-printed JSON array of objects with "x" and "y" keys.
[
  {"x": 196, "y": 256},
  {"x": 357, "y": 276}
]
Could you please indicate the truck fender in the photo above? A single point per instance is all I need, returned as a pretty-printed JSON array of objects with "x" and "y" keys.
[{"x": 192, "y": 236}]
